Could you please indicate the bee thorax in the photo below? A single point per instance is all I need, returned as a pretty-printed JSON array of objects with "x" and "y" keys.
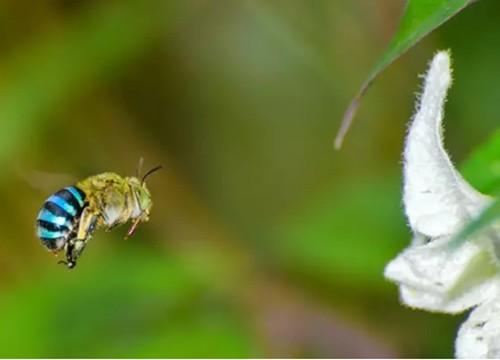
[{"x": 113, "y": 215}]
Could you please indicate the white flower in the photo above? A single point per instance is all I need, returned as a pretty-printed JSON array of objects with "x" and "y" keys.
[{"x": 431, "y": 274}]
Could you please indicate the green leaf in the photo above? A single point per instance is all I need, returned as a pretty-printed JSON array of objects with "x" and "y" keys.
[
  {"x": 419, "y": 19},
  {"x": 482, "y": 169}
]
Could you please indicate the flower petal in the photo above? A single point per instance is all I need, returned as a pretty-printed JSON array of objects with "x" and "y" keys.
[
  {"x": 437, "y": 278},
  {"x": 437, "y": 200},
  {"x": 479, "y": 336}
]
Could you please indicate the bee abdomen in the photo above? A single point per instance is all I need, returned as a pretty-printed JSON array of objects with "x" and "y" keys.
[{"x": 58, "y": 216}]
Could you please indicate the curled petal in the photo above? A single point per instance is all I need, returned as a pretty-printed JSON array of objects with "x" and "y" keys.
[{"x": 437, "y": 200}]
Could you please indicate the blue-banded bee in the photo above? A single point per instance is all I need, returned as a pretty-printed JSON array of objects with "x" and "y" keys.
[{"x": 69, "y": 217}]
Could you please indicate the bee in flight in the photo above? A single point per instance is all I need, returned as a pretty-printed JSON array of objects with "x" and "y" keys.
[{"x": 69, "y": 217}]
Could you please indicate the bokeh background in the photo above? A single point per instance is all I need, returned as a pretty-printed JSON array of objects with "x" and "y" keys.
[{"x": 263, "y": 240}]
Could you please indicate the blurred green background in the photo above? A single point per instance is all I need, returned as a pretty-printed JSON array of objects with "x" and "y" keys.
[{"x": 263, "y": 240}]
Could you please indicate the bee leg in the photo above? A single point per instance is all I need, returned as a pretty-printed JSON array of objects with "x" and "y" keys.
[
  {"x": 70, "y": 261},
  {"x": 74, "y": 249},
  {"x": 134, "y": 225},
  {"x": 76, "y": 245},
  {"x": 88, "y": 222},
  {"x": 112, "y": 227}
]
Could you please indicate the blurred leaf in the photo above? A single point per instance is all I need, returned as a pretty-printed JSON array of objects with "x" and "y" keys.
[
  {"x": 288, "y": 36},
  {"x": 482, "y": 168},
  {"x": 419, "y": 19},
  {"x": 144, "y": 305},
  {"x": 202, "y": 336},
  {"x": 347, "y": 234},
  {"x": 491, "y": 213},
  {"x": 44, "y": 75}
]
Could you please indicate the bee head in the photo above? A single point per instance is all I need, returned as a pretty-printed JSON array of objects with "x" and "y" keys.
[{"x": 141, "y": 193}]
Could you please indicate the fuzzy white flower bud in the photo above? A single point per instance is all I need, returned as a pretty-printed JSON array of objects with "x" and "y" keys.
[{"x": 438, "y": 202}]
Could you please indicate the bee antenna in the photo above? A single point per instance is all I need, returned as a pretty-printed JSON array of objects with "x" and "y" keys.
[
  {"x": 139, "y": 167},
  {"x": 150, "y": 172}
]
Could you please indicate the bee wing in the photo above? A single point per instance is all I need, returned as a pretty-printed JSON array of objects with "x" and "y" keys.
[{"x": 45, "y": 181}]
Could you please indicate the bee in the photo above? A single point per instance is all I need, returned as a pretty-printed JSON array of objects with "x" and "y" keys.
[{"x": 69, "y": 217}]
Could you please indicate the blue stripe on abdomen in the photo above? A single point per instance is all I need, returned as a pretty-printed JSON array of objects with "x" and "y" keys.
[
  {"x": 63, "y": 204},
  {"x": 78, "y": 194},
  {"x": 50, "y": 234},
  {"x": 56, "y": 218},
  {"x": 50, "y": 217},
  {"x": 70, "y": 199}
]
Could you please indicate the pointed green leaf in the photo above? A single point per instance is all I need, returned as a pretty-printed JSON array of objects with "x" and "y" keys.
[
  {"x": 482, "y": 169},
  {"x": 419, "y": 19}
]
